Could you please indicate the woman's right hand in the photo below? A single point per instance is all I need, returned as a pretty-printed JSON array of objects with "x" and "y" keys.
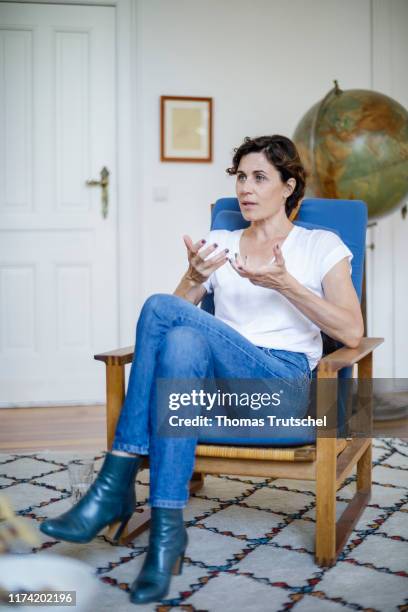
[{"x": 200, "y": 270}]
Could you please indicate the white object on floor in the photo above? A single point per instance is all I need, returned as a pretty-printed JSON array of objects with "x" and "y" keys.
[{"x": 49, "y": 572}]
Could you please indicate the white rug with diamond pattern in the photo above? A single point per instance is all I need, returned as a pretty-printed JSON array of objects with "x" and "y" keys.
[{"x": 250, "y": 540}]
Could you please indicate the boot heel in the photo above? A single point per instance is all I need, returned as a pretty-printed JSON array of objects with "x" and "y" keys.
[
  {"x": 178, "y": 566},
  {"x": 116, "y": 529}
]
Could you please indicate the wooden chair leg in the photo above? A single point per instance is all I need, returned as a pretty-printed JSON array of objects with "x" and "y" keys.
[
  {"x": 139, "y": 522},
  {"x": 362, "y": 495},
  {"x": 365, "y": 463},
  {"x": 115, "y": 396},
  {"x": 325, "y": 552},
  {"x": 326, "y": 468},
  {"x": 196, "y": 482},
  {"x": 364, "y": 470}
]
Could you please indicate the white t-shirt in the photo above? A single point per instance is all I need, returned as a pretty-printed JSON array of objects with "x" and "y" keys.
[{"x": 264, "y": 316}]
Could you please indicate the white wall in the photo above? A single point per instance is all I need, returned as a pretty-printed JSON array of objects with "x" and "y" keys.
[
  {"x": 264, "y": 62},
  {"x": 387, "y": 263}
]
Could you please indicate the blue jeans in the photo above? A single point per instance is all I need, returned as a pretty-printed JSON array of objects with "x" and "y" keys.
[{"x": 175, "y": 339}]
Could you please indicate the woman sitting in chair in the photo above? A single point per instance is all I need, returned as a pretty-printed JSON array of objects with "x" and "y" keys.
[{"x": 276, "y": 287}]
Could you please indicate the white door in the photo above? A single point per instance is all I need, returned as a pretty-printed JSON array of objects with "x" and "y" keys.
[{"x": 58, "y": 262}]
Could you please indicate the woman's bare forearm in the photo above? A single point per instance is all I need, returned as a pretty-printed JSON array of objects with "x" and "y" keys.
[
  {"x": 337, "y": 322},
  {"x": 190, "y": 290}
]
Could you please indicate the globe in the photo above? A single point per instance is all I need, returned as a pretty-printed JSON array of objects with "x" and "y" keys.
[{"x": 354, "y": 145}]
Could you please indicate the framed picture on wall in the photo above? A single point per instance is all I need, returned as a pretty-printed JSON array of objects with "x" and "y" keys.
[{"x": 185, "y": 129}]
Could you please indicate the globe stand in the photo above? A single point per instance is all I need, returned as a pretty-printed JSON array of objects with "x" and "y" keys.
[{"x": 370, "y": 246}]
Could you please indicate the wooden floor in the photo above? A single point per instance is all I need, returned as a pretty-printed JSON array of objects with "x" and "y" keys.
[{"x": 52, "y": 428}]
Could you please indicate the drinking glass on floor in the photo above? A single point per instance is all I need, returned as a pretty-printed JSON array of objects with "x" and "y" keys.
[{"x": 80, "y": 477}]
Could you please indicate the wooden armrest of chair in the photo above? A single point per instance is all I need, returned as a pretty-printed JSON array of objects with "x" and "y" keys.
[
  {"x": 345, "y": 357},
  {"x": 337, "y": 360},
  {"x": 118, "y": 357}
]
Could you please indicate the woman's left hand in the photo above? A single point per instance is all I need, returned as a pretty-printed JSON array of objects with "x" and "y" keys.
[{"x": 272, "y": 276}]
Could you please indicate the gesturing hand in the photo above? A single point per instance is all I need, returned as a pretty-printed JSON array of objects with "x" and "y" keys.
[
  {"x": 272, "y": 275},
  {"x": 199, "y": 270}
]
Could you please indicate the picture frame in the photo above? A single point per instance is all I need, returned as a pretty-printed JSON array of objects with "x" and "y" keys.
[{"x": 185, "y": 129}]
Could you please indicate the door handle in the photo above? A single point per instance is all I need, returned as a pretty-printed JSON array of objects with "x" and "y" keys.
[{"x": 104, "y": 184}]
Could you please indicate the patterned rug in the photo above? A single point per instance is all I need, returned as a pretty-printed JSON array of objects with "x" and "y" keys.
[{"x": 250, "y": 540}]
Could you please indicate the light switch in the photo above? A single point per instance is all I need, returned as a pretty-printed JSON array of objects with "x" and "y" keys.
[{"x": 160, "y": 194}]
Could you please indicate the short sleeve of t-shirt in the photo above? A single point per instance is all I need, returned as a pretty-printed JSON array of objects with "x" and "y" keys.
[{"x": 332, "y": 250}]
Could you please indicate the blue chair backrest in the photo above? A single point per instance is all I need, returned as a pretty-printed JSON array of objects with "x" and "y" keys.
[{"x": 348, "y": 219}]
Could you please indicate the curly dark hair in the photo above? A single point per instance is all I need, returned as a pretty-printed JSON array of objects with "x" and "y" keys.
[{"x": 281, "y": 152}]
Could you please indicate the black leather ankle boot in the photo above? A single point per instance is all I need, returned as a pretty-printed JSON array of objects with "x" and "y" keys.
[
  {"x": 167, "y": 544},
  {"x": 110, "y": 499}
]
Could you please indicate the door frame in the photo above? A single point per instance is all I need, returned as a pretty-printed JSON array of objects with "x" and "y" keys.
[{"x": 129, "y": 175}]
